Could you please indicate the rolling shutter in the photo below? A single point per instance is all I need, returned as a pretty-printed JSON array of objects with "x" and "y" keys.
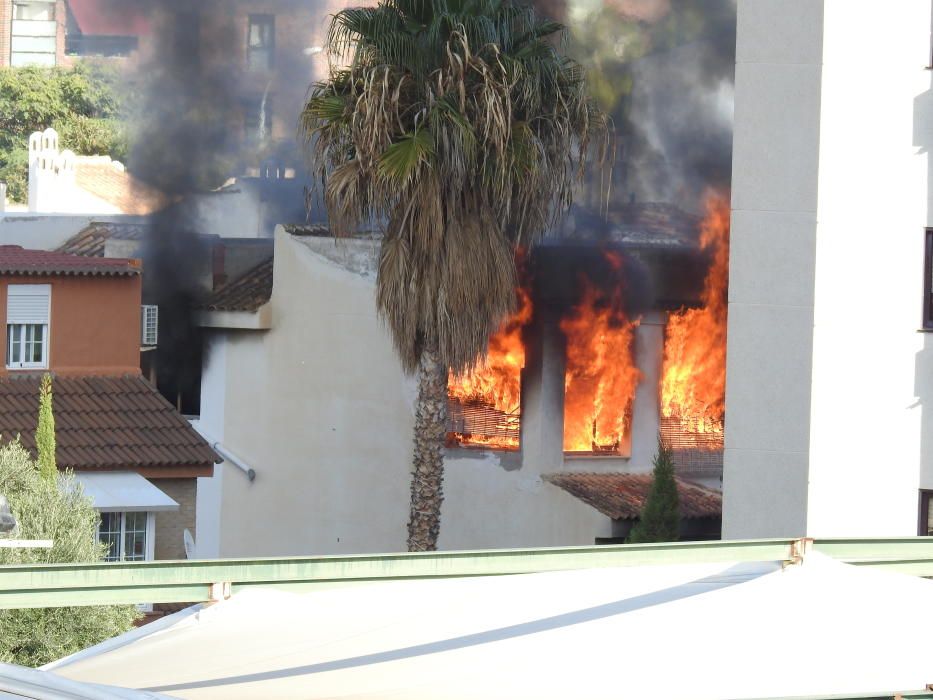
[{"x": 28, "y": 303}]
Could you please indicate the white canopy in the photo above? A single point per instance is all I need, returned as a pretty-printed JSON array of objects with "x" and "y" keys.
[
  {"x": 123, "y": 491},
  {"x": 711, "y": 631}
]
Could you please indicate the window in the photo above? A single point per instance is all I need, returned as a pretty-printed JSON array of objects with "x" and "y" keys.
[
  {"x": 128, "y": 536},
  {"x": 27, "y": 326},
  {"x": 34, "y": 11},
  {"x": 33, "y": 33},
  {"x": 260, "y": 42},
  {"x": 150, "y": 325},
  {"x": 928, "y": 280}
]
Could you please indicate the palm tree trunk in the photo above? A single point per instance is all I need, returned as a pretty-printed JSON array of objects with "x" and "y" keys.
[{"x": 428, "y": 464}]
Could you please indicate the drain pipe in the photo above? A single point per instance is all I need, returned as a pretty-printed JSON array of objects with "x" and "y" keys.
[{"x": 234, "y": 460}]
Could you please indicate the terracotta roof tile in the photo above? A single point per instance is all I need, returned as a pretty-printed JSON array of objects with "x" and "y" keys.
[
  {"x": 109, "y": 181},
  {"x": 247, "y": 292},
  {"x": 16, "y": 260},
  {"x": 622, "y": 496},
  {"x": 90, "y": 240},
  {"x": 104, "y": 423}
]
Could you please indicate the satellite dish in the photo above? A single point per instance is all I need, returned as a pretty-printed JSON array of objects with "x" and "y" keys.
[{"x": 189, "y": 544}]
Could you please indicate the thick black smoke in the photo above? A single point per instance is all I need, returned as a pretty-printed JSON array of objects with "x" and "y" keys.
[
  {"x": 201, "y": 118},
  {"x": 664, "y": 71}
]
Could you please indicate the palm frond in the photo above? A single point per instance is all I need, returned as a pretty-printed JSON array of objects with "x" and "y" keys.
[{"x": 461, "y": 126}]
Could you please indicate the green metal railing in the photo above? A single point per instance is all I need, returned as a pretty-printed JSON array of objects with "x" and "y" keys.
[{"x": 56, "y": 585}]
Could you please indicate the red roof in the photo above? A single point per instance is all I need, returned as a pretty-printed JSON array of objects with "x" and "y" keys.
[
  {"x": 16, "y": 260},
  {"x": 110, "y": 17},
  {"x": 105, "y": 423},
  {"x": 622, "y": 496}
]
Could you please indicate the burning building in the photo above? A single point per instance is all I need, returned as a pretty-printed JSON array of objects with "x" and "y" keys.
[
  {"x": 303, "y": 390},
  {"x": 634, "y": 322}
]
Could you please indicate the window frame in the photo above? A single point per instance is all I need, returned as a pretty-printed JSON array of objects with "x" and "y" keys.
[
  {"x": 49, "y": 7},
  {"x": 23, "y": 342},
  {"x": 149, "y": 533},
  {"x": 260, "y": 20}
]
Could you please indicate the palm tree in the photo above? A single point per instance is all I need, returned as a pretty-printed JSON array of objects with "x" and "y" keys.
[{"x": 459, "y": 128}]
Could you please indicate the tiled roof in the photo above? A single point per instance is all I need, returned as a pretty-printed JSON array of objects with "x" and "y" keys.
[
  {"x": 104, "y": 423},
  {"x": 622, "y": 496},
  {"x": 110, "y": 182},
  {"x": 16, "y": 260},
  {"x": 247, "y": 292},
  {"x": 90, "y": 240}
]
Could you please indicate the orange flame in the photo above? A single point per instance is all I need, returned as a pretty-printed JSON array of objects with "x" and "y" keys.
[
  {"x": 693, "y": 384},
  {"x": 600, "y": 377},
  {"x": 496, "y": 382}
]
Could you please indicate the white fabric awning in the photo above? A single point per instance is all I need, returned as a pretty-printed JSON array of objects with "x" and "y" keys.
[
  {"x": 703, "y": 631},
  {"x": 123, "y": 491}
]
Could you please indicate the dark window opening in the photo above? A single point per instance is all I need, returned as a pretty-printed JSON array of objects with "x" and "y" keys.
[
  {"x": 925, "y": 521},
  {"x": 260, "y": 42},
  {"x": 928, "y": 280},
  {"x": 109, "y": 46}
]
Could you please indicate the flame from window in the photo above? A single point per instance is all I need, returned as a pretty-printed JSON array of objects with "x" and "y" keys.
[
  {"x": 600, "y": 375},
  {"x": 693, "y": 385},
  {"x": 495, "y": 383}
]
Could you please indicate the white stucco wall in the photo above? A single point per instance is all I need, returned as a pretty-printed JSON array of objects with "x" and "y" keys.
[
  {"x": 319, "y": 407},
  {"x": 827, "y": 376},
  {"x": 48, "y": 231}
]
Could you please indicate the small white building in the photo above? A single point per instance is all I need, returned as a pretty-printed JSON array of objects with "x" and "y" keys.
[
  {"x": 829, "y": 397},
  {"x": 61, "y": 182}
]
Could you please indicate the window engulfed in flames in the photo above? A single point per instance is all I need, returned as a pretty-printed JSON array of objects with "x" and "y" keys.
[
  {"x": 484, "y": 406},
  {"x": 600, "y": 376},
  {"x": 693, "y": 384}
]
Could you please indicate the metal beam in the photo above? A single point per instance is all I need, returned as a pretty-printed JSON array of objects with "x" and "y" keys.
[{"x": 57, "y": 585}]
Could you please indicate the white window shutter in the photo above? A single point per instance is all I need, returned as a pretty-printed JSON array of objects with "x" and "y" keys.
[{"x": 28, "y": 303}]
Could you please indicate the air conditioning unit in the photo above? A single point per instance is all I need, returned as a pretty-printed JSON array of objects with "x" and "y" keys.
[{"x": 150, "y": 325}]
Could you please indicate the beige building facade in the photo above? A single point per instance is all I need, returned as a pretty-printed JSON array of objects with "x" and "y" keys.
[{"x": 830, "y": 377}]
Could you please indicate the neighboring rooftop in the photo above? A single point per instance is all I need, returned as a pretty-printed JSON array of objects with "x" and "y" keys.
[
  {"x": 109, "y": 181},
  {"x": 106, "y": 423},
  {"x": 247, "y": 292},
  {"x": 622, "y": 496},
  {"x": 91, "y": 240},
  {"x": 16, "y": 260}
]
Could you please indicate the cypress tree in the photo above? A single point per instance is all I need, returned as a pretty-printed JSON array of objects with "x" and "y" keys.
[
  {"x": 45, "y": 431},
  {"x": 660, "y": 517}
]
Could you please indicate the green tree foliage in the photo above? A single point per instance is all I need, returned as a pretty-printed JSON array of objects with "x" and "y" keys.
[
  {"x": 45, "y": 431},
  {"x": 59, "y": 511},
  {"x": 660, "y": 518},
  {"x": 82, "y": 103}
]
